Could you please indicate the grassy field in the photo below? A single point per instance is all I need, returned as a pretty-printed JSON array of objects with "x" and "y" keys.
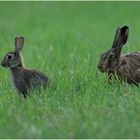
[{"x": 64, "y": 40}]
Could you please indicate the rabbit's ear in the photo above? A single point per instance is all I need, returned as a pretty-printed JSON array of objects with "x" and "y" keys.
[
  {"x": 19, "y": 42},
  {"x": 120, "y": 37}
]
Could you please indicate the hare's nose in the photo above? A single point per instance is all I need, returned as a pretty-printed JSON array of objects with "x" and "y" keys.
[
  {"x": 1, "y": 63},
  {"x": 100, "y": 66}
]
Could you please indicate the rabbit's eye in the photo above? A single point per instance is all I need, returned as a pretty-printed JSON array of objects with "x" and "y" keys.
[{"x": 10, "y": 57}]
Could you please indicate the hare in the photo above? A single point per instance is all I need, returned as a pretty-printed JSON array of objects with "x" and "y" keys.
[
  {"x": 24, "y": 79},
  {"x": 124, "y": 67}
]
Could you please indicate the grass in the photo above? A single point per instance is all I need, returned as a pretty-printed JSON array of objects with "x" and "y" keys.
[{"x": 64, "y": 40}]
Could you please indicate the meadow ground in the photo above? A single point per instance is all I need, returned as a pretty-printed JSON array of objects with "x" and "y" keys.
[{"x": 64, "y": 40}]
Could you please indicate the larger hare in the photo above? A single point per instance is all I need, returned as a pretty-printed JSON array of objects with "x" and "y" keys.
[
  {"x": 24, "y": 79},
  {"x": 126, "y": 67}
]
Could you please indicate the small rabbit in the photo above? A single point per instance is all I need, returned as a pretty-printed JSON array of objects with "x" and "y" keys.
[
  {"x": 126, "y": 67},
  {"x": 24, "y": 79}
]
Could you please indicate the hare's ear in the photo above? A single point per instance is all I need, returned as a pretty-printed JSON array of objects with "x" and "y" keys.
[
  {"x": 19, "y": 42},
  {"x": 120, "y": 37},
  {"x": 116, "y": 38},
  {"x": 123, "y": 35}
]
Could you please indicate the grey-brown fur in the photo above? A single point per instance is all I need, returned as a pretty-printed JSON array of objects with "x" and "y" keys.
[
  {"x": 24, "y": 79},
  {"x": 127, "y": 66}
]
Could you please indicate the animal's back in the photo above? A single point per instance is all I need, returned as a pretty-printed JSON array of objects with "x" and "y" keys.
[
  {"x": 133, "y": 55},
  {"x": 35, "y": 78},
  {"x": 27, "y": 79},
  {"x": 130, "y": 70},
  {"x": 134, "y": 60}
]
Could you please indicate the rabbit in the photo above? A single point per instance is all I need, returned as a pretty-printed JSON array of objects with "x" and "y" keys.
[
  {"x": 24, "y": 79},
  {"x": 124, "y": 67}
]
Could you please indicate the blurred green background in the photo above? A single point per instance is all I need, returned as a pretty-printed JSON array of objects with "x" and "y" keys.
[{"x": 64, "y": 40}]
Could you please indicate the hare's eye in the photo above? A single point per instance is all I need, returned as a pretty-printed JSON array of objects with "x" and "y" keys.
[
  {"x": 111, "y": 55},
  {"x": 10, "y": 57},
  {"x": 104, "y": 55}
]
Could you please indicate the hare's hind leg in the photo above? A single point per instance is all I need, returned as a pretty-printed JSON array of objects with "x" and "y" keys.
[{"x": 137, "y": 76}]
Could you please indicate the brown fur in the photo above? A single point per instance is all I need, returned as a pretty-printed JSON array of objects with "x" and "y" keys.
[
  {"x": 24, "y": 79},
  {"x": 127, "y": 66}
]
